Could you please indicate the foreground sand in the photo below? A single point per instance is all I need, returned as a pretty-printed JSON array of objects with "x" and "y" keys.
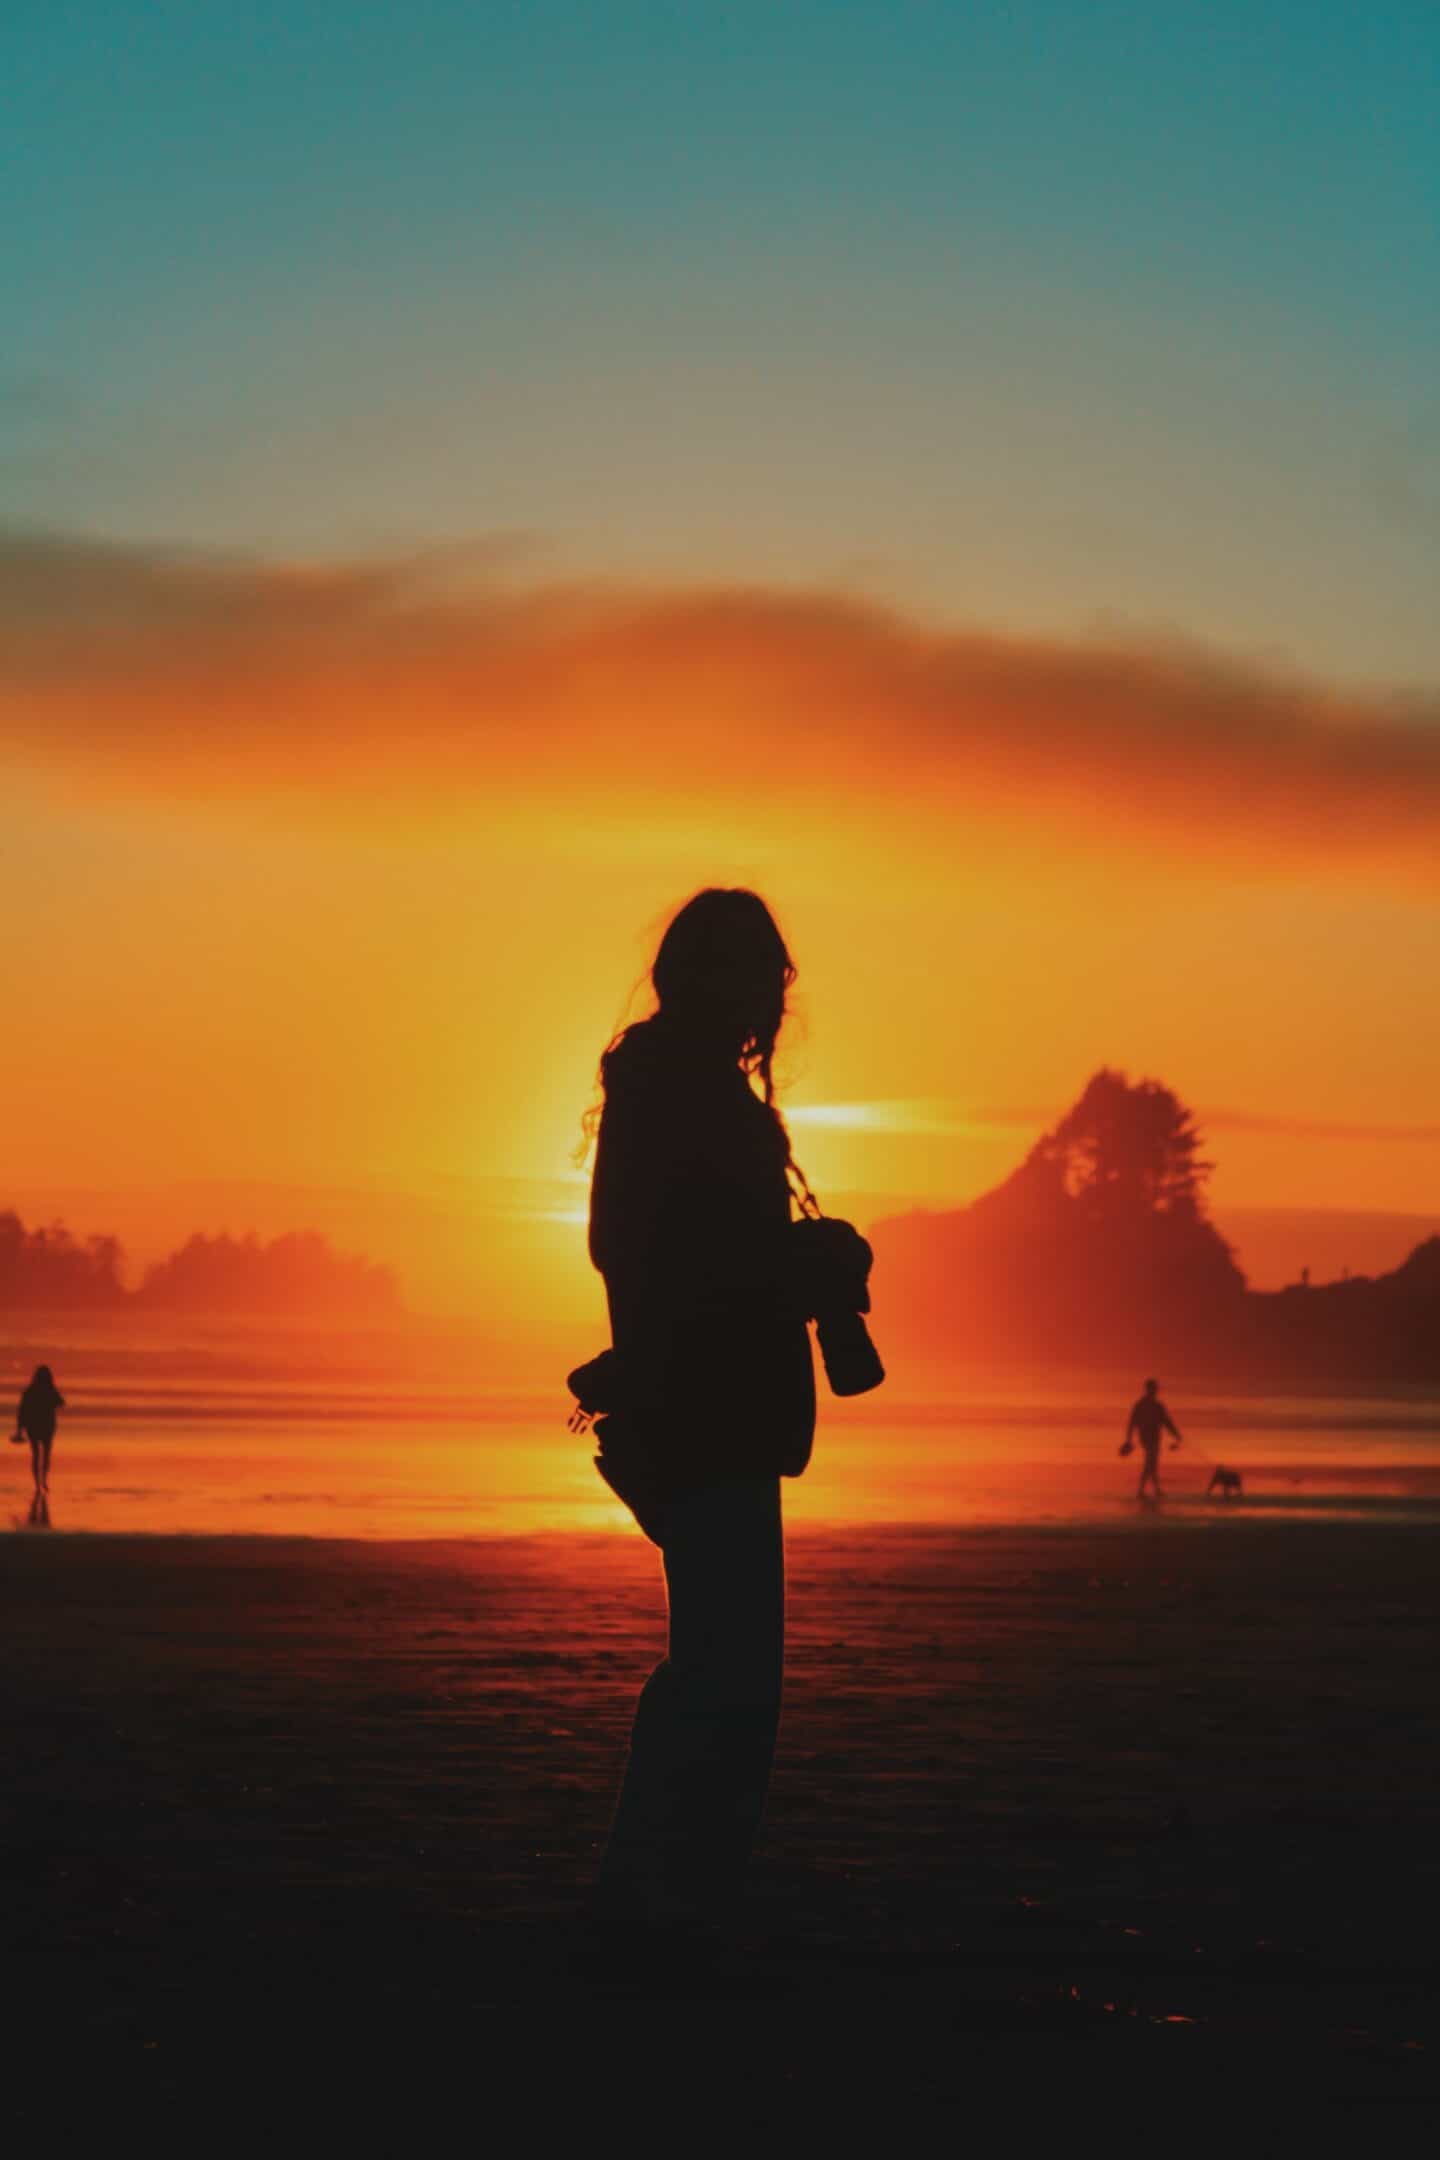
[{"x": 296, "y": 1830}]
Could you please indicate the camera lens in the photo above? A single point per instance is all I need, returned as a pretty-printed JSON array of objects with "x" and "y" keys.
[{"x": 852, "y": 1363}]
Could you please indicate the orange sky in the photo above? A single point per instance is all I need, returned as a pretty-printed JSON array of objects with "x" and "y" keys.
[{"x": 338, "y": 879}]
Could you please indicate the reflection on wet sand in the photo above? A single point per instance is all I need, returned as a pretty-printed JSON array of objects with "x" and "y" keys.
[{"x": 453, "y": 1465}]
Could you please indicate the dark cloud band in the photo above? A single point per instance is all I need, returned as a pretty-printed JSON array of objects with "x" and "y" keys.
[{"x": 171, "y": 669}]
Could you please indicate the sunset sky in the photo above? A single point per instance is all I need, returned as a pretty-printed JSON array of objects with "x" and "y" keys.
[{"x": 473, "y": 475}]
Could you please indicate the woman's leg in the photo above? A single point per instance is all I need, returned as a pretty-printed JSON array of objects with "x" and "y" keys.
[
  {"x": 35, "y": 1456},
  {"x": 45, "y": 1447},
  {"x": 704, "y": 1734}
]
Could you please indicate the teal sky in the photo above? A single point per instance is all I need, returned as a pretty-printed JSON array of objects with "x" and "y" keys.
[{"x": 1053, "y": 317}]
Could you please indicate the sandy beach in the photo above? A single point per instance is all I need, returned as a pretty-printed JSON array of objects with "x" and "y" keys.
[{"x": 306, "y": 1823}]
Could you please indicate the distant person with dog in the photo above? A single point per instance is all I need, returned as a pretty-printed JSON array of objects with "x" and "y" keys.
[{"x": 1149, "y": 1419}]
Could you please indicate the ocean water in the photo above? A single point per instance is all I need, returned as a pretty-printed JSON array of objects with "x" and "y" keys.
[{"x": 291, "y": 1457}]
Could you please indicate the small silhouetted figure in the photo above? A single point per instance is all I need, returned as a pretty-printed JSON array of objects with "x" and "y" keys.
[
  {"x": 35, "y": 1418},
  {"x": 1149, "y": 1418},
  {"x": 1227, "y": 1483}
]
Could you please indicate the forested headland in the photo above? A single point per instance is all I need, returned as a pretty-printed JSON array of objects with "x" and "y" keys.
[{"x": 1099, "y": 1250}]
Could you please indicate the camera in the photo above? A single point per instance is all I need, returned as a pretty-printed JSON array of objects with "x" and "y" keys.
[{"x": 833, "y": 1266}]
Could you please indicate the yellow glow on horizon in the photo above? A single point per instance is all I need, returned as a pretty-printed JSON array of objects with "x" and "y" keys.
[
  {"x": 921, "y": 1117},
  {"x": 380, "y": 1011}
]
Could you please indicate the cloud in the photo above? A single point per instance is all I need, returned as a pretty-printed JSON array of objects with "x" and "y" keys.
[
  {"x": 443, "y": 677},
  {"x": 914, "y": 1117},
  {"x": 1292, "y": 1128},
  {"x": 933, "y": 1117}
]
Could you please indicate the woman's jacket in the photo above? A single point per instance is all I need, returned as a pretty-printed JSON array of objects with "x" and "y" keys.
[{"x": 689, "y": 1225}]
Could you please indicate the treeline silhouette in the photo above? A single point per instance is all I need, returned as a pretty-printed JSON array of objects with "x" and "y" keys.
[
  {"x": 1098, "y": 1250},
  {"x": 50, "y": 1270},
  {"x": 1380, "y": 1327}
]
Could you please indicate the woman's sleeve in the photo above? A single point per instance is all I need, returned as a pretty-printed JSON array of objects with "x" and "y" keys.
[{"x": 635, "y": 1178}]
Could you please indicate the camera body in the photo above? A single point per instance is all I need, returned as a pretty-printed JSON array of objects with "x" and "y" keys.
[{"x": 833, "y": 1265}]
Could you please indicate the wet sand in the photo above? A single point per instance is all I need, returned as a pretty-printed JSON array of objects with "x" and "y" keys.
[{"x": 296, "y": 1831}]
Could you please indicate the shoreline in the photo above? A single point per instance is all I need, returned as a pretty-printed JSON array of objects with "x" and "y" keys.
[{"x": 1279, "y": 1513}]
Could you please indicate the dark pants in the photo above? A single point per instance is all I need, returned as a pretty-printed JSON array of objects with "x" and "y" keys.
[{"x": 704, "y": 1733}]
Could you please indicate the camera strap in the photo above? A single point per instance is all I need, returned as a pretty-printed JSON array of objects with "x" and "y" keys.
[{"x": 800, "y": 1191}]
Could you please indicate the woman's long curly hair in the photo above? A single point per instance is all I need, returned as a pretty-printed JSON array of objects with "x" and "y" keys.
[{"x": 720, "y": 977}]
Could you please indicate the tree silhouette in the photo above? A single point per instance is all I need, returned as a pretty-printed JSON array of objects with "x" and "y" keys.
[
  {"x": 299, "y": 1272},
  {"x": 50, "y": 1270},
  {"x": 1097, "y": 1246},
  {"x": 1098, "y": 1251},
  {"x": 1127, "y": 1151},
  {"x": 48, "y": 1267}
]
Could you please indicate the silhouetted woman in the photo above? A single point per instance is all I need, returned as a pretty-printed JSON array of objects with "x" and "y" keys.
[
  {"x": 35, "y": 1418},
  {"x": 689, "y": 1225}
]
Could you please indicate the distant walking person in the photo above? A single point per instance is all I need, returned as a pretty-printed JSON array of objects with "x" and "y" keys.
[
  {"x": 708, "y": 1401},
  {"x": 35, "y": 1422},
  {"x": 1149, "y": 1418}
]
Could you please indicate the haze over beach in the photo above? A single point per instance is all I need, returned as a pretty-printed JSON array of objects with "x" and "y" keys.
[{"x": 468, "y": 481}]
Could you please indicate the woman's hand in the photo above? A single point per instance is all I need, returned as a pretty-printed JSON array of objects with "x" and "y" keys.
[{"x": 833, "y": 1265}]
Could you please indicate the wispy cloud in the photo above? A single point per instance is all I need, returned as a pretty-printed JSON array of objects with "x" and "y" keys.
[
  {"x": 914, "y": 1117},
  {"x": 937, "y": 1118},
  {"x": 1299, "y": 1128},
  {"x": 444, "y": 678}
]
